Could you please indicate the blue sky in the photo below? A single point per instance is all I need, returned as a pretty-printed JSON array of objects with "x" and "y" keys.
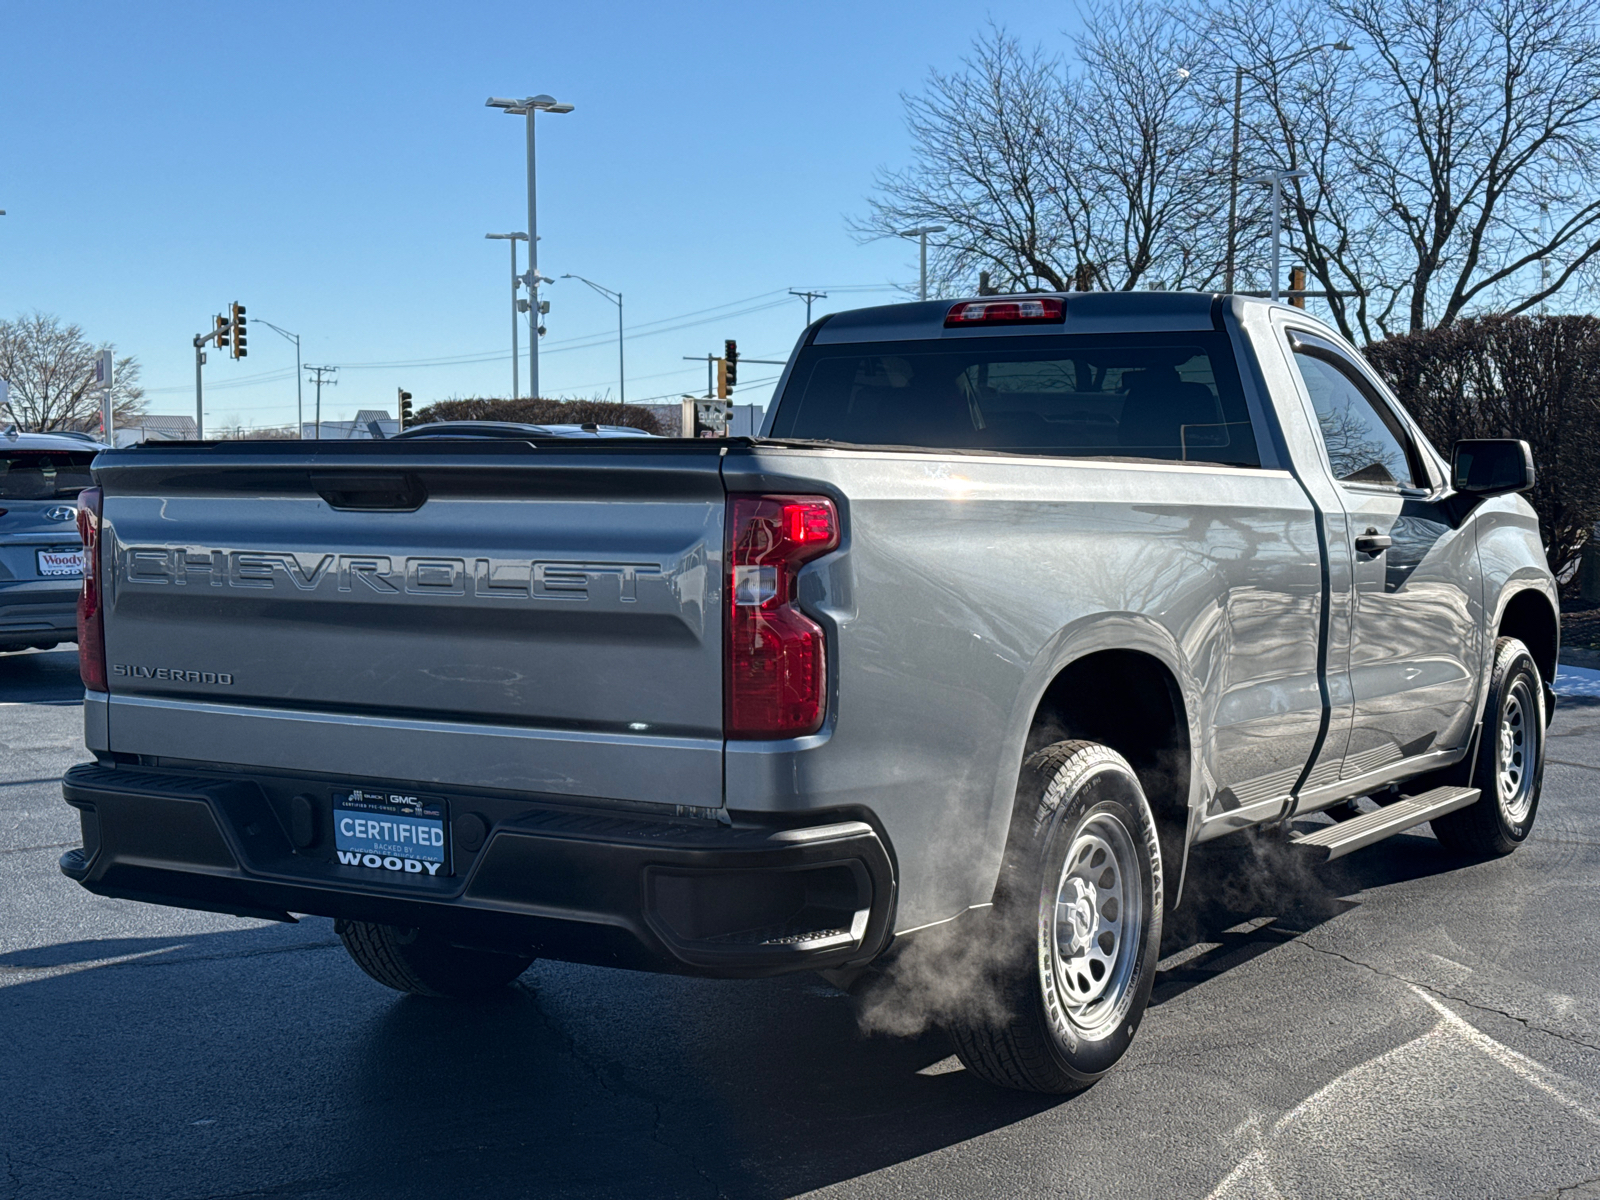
[{"x": 332, "y": 166}]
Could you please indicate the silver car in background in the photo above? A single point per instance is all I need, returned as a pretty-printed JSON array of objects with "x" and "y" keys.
[{"x": 41, "y": 554}]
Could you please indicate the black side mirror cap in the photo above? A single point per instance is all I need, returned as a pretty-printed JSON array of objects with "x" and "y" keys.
[{"x": 1492, "y": 466}]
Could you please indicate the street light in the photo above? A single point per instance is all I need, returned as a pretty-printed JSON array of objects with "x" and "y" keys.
[
  {"x": 299, "y": 404},
  {"x": 528, "y": 107},
  {"x": 513, "y": 238},
  {"x": 615, "y": 298},
  {"x": 1239, "y": 72},
  {"x": 1276, "y": 179},
  {"x": 921, "y": 233}
]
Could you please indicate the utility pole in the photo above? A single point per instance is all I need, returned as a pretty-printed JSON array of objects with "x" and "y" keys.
[
  {"x": 808, "y": 297},
  {"x": 321, "y": 372}
]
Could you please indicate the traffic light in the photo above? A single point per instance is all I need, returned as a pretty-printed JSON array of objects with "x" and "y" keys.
[
  {"x": 405, "y": 407},
  {"x": 730, "y": 355},
  {"x": 1297, "y": 283},
  {"x": 222, "y": 331},
  {"x": 236, "y": 311}
]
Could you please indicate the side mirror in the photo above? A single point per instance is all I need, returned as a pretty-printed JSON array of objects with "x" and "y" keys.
[{"x": 1492, "y": 466}]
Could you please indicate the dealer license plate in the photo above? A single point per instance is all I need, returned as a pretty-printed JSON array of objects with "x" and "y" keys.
[
  {"x": 60, "y": 562},
  {"x": 392, "y": 832}
]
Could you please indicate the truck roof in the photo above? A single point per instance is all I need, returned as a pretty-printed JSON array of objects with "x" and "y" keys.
[
  {"x": 12, "y": 439},
  {"x": 1085, "y": 312}
]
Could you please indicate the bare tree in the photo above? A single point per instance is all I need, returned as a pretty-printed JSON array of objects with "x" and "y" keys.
[
  {"x": 1101, "y": 172},
  {"x": 1453, "y": 161},
  {"x": 50, "y": 369}
]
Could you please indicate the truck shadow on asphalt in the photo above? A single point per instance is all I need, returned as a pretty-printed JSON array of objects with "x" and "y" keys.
[
  {"x": 576, "y": 1081},
  {"x": 1249, "y": 893}
]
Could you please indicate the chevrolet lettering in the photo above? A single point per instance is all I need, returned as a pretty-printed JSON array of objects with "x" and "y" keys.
[
  {"x": 553, "y": 579},
  {"x": 1014, "y": 602}
]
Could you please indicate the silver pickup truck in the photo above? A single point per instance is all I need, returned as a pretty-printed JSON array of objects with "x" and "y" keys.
[{"x": 1014, "y": 602}]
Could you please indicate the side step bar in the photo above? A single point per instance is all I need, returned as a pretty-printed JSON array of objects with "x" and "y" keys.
[{"x": 1337, "y": 840}]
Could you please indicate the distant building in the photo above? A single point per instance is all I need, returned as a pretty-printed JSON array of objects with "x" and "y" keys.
[
  {"x": 350, "y": 431},
  {"x": 154, "y": 428}
]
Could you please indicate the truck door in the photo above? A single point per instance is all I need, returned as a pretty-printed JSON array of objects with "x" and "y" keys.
[{"x": 1414, "y": 614}]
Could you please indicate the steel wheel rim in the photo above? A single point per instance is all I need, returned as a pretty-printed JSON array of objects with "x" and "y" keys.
[
  {"x": 1516, "y": 753},
  {"x": 1092, "y": 925}
]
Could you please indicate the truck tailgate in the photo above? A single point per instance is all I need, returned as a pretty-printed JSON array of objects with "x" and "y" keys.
[{"x": 535, "y": 617}]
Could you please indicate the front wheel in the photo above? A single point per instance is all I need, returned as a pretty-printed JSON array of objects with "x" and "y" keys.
[
  {"x": 1079, "y": 924},
  {"x": 1509, "y": 766},
  {"x": 422, "y": 963}
]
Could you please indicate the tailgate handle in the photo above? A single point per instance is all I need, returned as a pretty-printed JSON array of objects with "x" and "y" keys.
[{"x": 371, "y": 493}]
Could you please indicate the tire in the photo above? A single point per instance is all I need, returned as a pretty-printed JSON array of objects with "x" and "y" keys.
[
  {"x": 422, "y": 963},
  {"x": 1084, "y": 856},
  {"x": 1509, "y": 762}
]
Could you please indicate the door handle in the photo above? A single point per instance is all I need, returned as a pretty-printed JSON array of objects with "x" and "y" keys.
[{"x": 1372, "y": 542}]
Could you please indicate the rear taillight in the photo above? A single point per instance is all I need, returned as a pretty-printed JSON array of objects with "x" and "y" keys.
[
  {"x": 776, "y": 661},
  {"x": 91, "y": 621},
  {"x": 1006, "y": 312}
]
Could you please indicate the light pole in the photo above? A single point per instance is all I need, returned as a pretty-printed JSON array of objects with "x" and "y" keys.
[
  {"x": 299, "y": 404},
  {"x": 528, "y": 107},
  {"x": 1239, "y": 72},
  {"x": 513, "y": 238},
  {"x": 921, "y": 234},
  {"x": 615, "y": 298},
  {"x": 1276, "y": 180}
]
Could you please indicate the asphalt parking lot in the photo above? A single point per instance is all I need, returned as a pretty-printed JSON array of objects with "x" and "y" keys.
[{"x": 1395, "y": 1024}]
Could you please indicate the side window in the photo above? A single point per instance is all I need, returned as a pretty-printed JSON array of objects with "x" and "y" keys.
[{"x": 1365, "y": 442}]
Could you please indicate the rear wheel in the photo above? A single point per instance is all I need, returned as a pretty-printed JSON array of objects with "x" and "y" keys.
[
  {"x": 1509, "y": 766},
  {"x": 422, "y": 963},
  {"x": 1079, "y": 915}
]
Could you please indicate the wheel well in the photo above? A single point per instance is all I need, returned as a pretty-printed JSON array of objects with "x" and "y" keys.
[
  {"x": 1129, "y": 701},
  {"x": 1530, "y": 619}
]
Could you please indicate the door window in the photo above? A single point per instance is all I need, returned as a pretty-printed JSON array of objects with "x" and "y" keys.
[{"x": 1366, "y": 443}]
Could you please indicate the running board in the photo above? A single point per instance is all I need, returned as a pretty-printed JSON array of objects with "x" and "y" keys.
[{"x": 1340, "y": 838}]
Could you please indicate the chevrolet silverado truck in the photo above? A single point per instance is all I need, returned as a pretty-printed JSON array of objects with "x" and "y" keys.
[{"x": 1014, "y": 602}]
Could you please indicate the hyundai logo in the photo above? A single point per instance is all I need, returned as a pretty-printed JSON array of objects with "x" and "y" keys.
[{"x": 61, "y": 512}]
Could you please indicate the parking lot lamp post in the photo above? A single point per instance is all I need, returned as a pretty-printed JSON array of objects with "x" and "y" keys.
[
  {"x": 529, "y": 107},
  {"x": 1239, "y": 72},
  {"x": 299, "y": 402},
  {"x": 921, "y": 234},
  {"x": 513, "y": 238},
  {"x": 615, "y": 298}
]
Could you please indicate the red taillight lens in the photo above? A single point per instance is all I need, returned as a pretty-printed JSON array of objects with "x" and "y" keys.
[
  {"x": 1005, "y": 312},
  {"x": 91, "y": 621},
  {"x": 776, "y": 661}
]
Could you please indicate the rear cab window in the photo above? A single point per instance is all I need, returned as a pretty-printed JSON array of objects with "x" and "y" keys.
[
  {"x": 44, "y": 474},
  {"x": 1171, "y": 397}
]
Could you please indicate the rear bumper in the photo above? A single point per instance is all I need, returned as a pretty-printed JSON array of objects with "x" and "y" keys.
[
  {"x": 33, "y": 611},
  {"x": 686, "y": 895}
]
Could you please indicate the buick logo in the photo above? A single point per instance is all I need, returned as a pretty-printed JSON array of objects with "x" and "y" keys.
[{"x": 61, "y": 512}]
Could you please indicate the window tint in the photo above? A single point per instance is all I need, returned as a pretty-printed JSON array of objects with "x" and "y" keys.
[
  {"x": 1167, "y": 396},
  {"x": 43, "y": 475},
  {"x": 1364, "y": 440}
]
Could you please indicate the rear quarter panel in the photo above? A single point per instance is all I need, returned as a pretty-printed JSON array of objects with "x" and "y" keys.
[{"x": 964, "y": 585}]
